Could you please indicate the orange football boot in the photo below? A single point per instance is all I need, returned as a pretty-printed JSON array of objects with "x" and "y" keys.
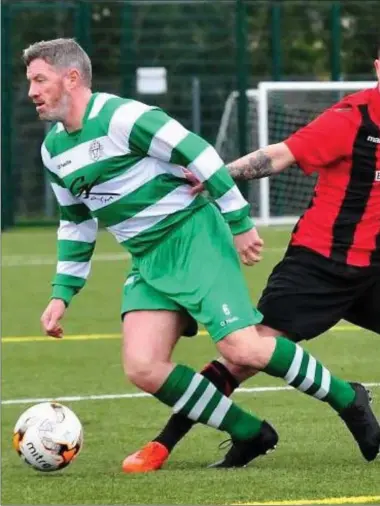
[{"x": 151, "y": 457}]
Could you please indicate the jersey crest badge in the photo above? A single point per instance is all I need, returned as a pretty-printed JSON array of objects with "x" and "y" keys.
[{"x": 95, "y": 150}]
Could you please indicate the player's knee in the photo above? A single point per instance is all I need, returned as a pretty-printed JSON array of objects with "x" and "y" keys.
[
  {"x": 248, "y": 361},
  {"x": 245, "y": 349},
  {"x": 265, "y": 331},
  {"x": 236, "y": 356},
  {"x": 140, "y": 371}
]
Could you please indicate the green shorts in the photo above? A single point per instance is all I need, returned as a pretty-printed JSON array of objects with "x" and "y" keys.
[{"x": 195, "y": 269}]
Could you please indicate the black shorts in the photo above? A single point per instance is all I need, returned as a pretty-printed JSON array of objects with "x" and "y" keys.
[{"x": 307, "y": 294}]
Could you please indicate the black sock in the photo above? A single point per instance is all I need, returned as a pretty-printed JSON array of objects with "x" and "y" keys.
[{"x": 179, "y": 425}]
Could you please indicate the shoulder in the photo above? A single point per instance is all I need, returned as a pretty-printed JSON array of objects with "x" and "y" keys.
[
  {"x": 344, "y": 114},
  {"x": 348, "y": 107},
  {"x": 103, "y": 104},
  {"x": 127, "y": 114},
  {"x": 107, "y": 104},
  {"x": 116, "y": 112},
  {"x": 129, "y": 110},
  {"x": 356, "y": 99}
]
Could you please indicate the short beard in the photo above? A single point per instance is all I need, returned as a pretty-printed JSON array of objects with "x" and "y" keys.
[{"x": 60, "y": 111}]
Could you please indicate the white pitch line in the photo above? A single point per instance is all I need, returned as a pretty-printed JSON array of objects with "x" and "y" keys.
[
  {"x": 77, "y": 398},
  {"x": 38, "y": 260}
]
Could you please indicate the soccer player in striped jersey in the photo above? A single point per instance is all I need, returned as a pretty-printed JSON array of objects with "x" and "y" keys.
[
  {"x": 119, "y": 161},
  {"x": 331, "y": 268}
]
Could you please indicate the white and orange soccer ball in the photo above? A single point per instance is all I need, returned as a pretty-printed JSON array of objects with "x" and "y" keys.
[{"x": 48, "y": 436}]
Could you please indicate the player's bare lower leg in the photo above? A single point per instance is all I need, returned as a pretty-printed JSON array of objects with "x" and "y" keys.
[{"x": 149, "y": 339}]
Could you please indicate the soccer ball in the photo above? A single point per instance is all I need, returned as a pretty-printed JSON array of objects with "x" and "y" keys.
[{"x": 48, "y": 436}]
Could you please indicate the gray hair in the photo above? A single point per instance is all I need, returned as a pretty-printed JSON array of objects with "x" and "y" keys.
[{"x": 61, "y": 53}]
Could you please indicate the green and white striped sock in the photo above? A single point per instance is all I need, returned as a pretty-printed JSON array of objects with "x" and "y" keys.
[
  {"x": 194, "y": 396},
  {"x": 302, "y": 371}
]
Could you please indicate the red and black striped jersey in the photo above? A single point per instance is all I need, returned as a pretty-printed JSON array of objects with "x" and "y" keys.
[{"x": 342, "y": 145}]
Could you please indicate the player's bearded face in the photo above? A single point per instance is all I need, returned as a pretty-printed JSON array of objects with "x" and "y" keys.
[{"x": 47, "y": 91}]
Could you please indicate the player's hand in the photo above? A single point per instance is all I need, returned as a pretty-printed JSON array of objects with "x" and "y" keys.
[
  {"x": 51, "y": 316},
  {"x": 197, "y": 186},
  {"x": 249, "y": 246}
]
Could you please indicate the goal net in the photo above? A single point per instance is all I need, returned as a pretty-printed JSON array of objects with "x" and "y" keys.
[{"x": 276, "y": 110}]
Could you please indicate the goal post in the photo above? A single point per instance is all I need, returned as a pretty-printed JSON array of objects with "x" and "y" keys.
[{"x": 275, "y": 111}]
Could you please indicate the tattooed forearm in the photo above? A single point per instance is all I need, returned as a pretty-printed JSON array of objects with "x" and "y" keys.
[{"x": 252, "y": 166}]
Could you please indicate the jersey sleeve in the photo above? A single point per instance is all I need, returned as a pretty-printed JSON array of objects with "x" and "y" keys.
[
  {"x": 324, "y": 140},
  {"x": 76, "y": 236},
  {"x": 158, "y": 135}
]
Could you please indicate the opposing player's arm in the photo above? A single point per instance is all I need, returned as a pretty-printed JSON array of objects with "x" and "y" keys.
[
  {"x": 158, "y": 135},
  {"x": 316, "y": 145},
  {"x": 262, "y": 163},
  {"x": 77, "y": 233}
]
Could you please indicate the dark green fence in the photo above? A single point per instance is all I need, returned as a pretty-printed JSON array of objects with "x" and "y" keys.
[{"x": 213, "y": 46}]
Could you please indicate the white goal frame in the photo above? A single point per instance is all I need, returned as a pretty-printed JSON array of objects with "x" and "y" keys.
[{"x": 263, "y": 90}]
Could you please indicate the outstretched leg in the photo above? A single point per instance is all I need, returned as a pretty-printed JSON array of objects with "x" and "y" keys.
[{"x": 149, "y": 338}]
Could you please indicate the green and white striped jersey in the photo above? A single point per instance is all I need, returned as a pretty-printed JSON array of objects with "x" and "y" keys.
[{"x": 124, "y": 168}]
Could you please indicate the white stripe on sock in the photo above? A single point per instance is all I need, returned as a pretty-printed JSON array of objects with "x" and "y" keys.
[
  {"x": 220, "y": 412},
  {"x": 202, "y": 402},
  {"x": 325, "y": 386},
  {"x": 310, "y": 375},
  {"x": 194, "y": 383},
  {"x": 294, "y": 369}
]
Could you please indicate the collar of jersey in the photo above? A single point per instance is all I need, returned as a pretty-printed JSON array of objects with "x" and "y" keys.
[{"x": 86, "y": 113}]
